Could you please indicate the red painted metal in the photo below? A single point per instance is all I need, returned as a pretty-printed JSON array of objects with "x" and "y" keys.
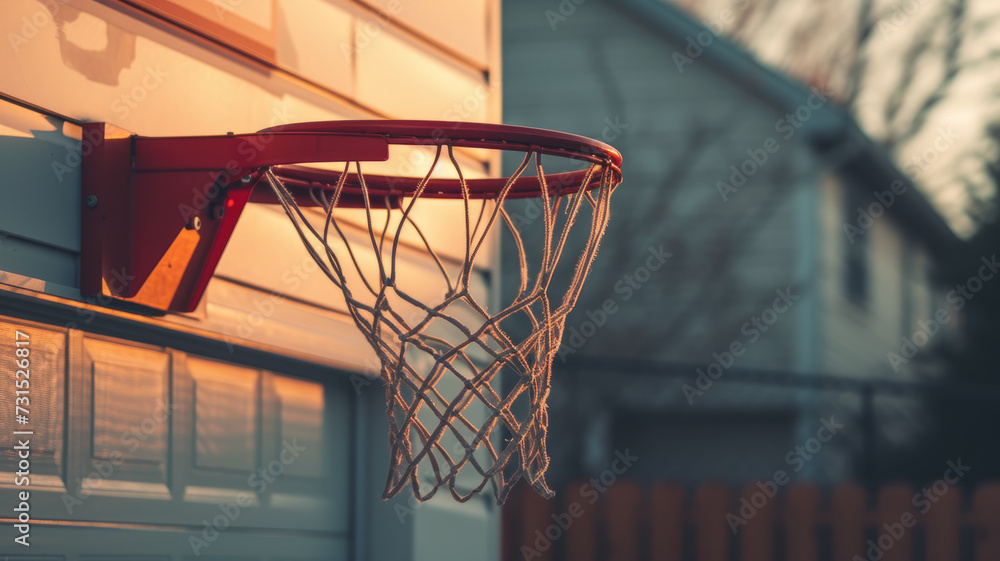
[
  {"x": 475, "y": 135},
  {"x": 140, "y": 195},
  {"x": 143, "y": 196}
]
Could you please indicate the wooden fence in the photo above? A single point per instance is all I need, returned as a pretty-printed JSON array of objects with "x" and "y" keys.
[{"x": 801, "y": 522}]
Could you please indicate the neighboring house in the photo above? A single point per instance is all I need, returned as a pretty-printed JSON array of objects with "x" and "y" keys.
[
  {"x": 151, "y": 430},
  {"x": 752, "y": 183}
]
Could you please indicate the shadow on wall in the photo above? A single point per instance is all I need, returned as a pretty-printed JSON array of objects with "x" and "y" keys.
[{"x": 102, "y": 65}]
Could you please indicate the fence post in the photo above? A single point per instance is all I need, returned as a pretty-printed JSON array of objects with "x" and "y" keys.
[
  {"x": 510, "y": 525},
  {"x": 801, "y": 521},
  {"x": 711, "y": 503},
  {"x": 666, "y": 522},
  {"x": 941, "y": 527},
  {"x": 986, "y": 521},
  {"x": 622, "y": 517},
  {"x": 895, "y": 522},
  {"x": 757, "y": 535},
  {"x": 848, "y": 521},
  {"x": 536, "y": 541},
  {"x": 581, "y": 538}
]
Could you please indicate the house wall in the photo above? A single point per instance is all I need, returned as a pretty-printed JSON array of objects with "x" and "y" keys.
[
  {"x": 857, "y": 338},
  {"x": 66, "y": 63},
  {"x": 603, "y": 73}
]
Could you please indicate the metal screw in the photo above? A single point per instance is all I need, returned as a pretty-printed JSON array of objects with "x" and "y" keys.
[
  {"x": 247, "y": 178},
  {"x": 92, "y": 201},
  {"x": 218, "y": 211},
  {"x": 194, "y": 224}
]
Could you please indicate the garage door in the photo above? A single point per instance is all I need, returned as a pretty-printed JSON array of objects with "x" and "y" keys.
[{"x": 112, "y": 447}]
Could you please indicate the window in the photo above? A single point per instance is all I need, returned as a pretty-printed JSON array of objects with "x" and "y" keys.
[
  {"x": 908, "y": 293},
  {"x": 856, "y": 250}
]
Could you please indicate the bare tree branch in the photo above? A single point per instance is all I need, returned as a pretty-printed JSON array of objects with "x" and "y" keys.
[{"x": 902, "y": 132}]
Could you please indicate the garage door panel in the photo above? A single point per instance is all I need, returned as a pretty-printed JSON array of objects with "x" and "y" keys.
[
  {"x": 225, "y": 412},
  {"x": 300, "y": 405},
  {"x": 217, "y": 431},
  {"x": 134, "y": 407},
  {"x": 44, "y": 384},
  {"x": 130, "y": 424}
]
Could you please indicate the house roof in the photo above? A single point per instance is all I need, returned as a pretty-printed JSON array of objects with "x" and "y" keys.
[{"x": 831, "y": 131}]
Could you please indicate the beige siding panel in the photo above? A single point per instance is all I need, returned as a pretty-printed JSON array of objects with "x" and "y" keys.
[
  {"x": 314, "y": 40},
  {"x": 41, "y": 163},
  {"x": 388, "y": 64},
  {"x": 150, "y": 90},
  {"x": 23, "y": 260},
  {"x": 247, "y": 316},
  {"x": 461, "y": 25},
  {"x": 266, "y": 252}
]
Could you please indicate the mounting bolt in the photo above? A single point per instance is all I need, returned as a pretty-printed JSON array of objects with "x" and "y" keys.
[
  {"x": 194, "y": 224},
  {"x": 247, "y": 178},
  {"x": 92, "y": 201},
  {"x": 217, "y": 212}
]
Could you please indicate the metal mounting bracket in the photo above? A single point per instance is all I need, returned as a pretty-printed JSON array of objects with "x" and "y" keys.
[{"x": 157, "y": 212}]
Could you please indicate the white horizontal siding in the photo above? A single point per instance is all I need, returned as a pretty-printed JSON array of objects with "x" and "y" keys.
[{"x": 602, "y": 67}]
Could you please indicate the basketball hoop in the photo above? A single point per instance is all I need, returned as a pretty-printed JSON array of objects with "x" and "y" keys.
[{"x": 438, "y": 357}]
